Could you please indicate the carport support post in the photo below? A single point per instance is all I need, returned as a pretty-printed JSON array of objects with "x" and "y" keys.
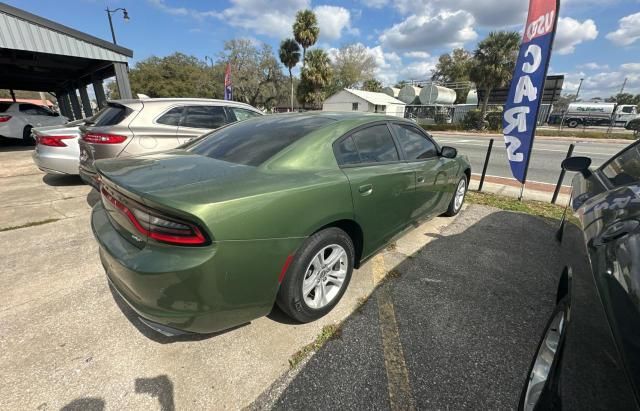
[
  {"x": 98, "y": 90},
  {"x": 63, "y": 104},
  {"x": 75, "y": 104},
  {"x": 13, "y": 95},
  {"x": 562, "y": 172},
  {"x": 86, "y": 104},
  {"x": 122, "y": 80}
]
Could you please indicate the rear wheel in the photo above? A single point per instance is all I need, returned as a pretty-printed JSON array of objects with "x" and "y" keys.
[
  {"x": 573, "y": 123},
  {"x": 318, "y": 277},
  {"x": 458, "y": 198},
  {"x": 27, "y": 138}
]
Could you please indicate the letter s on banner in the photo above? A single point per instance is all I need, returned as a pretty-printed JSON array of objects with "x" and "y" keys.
[{"x": 525, "y": 93}]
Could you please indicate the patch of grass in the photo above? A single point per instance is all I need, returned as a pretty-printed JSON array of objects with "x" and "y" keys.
[
  {"x": 31, "y": 224},
  {"x": 537, "y": 208},
  {"x": 579, "y": 133},
  {"x": 574, "y": 133},
  {"x": 329, "y": 332}
]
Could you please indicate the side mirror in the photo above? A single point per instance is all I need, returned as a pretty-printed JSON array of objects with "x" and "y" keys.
[
  {"x": 448, "y": 152},
  {"x": 578, "y": 165}
]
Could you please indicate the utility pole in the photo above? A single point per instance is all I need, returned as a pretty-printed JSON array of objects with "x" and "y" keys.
[
  {"x": 575, "y": 99},
  {"x": 624, "y": 84}
]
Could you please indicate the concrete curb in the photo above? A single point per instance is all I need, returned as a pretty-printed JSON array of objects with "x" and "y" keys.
[{"x": 550, "y": 138}]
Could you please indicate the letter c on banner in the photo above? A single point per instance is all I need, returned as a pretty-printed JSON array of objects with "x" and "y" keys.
[{"x": 536, "y": 52}]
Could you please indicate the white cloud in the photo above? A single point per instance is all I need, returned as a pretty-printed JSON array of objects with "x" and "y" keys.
[
  {"x": 488, "y": 13},
  {"x": 391, "y": 68},
  {"x": 572, "y": 32},
  {"x": 332, "y": 20},
  {"x": 628, "y": 31},
  {"x": 375, "y": 4},
  {"x": 416, "y": 54},
  {"x": 423, "y": 32},
  {"x": 630, "y": 67},
  {"x": 593, "y": 66},
  {"x": 604, "y": 83},
  {"x": 182, "y": 11}
]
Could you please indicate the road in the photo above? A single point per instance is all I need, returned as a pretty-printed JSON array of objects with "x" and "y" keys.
[{"x": 545, "y": 161}]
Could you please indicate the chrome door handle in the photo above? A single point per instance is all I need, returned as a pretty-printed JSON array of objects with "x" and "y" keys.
[
  {"x": 420, "y": 179},
  {"x": 366, "y": 189}
]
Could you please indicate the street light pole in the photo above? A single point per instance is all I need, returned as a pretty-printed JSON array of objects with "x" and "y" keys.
[{"x": 125, "y": 15}]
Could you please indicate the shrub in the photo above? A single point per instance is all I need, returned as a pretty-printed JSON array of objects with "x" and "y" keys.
[
  {"x": 494, "y": 118},
  {"x": 473, "y": 120}
]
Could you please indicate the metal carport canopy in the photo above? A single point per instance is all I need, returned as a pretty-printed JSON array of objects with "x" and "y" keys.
[{"x": 41, "y": 55}]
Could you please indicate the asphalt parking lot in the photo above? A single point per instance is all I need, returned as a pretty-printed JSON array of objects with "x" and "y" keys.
[{"x": 462, "y": 316}]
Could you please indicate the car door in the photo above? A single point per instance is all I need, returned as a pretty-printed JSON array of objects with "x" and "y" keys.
[
  {"x": 382, "y": 185},
  {"x": 200, "y": 119},
  {"x": 432, "y": 179},
  {"x": 32, "y": 115}
]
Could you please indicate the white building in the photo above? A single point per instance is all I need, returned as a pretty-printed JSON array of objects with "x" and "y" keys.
[{"x": 364, "y": 101}]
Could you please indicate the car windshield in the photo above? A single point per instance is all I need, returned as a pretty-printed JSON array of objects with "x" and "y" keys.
[
  {"x": 4, "y": 107},
  {"x": 253, "y": 142}
]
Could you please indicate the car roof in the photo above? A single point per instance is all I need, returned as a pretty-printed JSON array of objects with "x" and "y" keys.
[{"x": 165, "y": 100}]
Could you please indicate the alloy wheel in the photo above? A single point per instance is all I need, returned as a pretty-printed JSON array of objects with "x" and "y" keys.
[
  {"x": 324, "y": 276},
  {"x": 460, "y": 192}
]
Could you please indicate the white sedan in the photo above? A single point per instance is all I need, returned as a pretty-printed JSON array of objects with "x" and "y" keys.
[{"x": 17, "y": 120}]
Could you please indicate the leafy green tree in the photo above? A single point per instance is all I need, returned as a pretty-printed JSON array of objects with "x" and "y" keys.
[
  {"x": 401, "y": 84},
  {"x": 176, "y": 75},
  {"x": 306, "y": 31},
  {"x": 290, "y": 56},
  {"x": 316, "y": 77},
  {"x": 624, "y": 98},
  {"x": 256, "y": 74},
  {"x": 353, "y": 65},
  {"x": 493, "y": 63},
  {"x": 372, "y": 85},
  {"x": 454, "y": 67}
]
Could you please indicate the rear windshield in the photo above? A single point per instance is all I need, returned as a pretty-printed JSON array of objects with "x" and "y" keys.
[
  {"x": 624, "y": 168},
  {"x": 4, "y": 107},
  {"x": 253, "y": 142},
  {"x": 111, "y": 115}
]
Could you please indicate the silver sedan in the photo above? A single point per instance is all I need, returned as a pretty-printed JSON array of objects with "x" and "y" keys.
[{"x": 57, "y": 150}]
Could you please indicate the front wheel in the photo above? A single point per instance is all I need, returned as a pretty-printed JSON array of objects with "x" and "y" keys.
[
  {"x": 318, "y": 277},
  {"x": 458, "y": 198},
  {"x": 573, "y": 123}
]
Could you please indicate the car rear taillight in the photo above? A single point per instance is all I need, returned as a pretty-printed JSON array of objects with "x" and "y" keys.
[
  {"x": 155, "y": 225},
  {"x": 52, "y": 141},
  {"x": 102, "y": 138},
  {"x": 4, "y": 119}
]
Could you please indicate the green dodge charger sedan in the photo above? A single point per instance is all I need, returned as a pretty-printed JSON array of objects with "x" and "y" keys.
[{"x": 273, "y": 209}]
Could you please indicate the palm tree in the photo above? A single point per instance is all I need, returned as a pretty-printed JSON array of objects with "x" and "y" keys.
[
  {"x": 315, "y": 77},
  {"x": 306, "y": 31},
  {"x": 290, "y": 56},
  {"x": 493, "y": 63}
]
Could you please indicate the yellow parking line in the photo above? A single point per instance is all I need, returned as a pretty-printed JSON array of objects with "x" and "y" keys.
[{"x": 399, "y": 387}]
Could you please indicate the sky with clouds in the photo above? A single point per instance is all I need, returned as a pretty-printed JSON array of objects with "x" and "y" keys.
[{"x": 597, "y": 40}]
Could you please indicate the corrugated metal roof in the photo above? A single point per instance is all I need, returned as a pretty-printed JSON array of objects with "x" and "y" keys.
[
  {"x": 20, "y": 30},
  {"x": 380, "y": 99}
]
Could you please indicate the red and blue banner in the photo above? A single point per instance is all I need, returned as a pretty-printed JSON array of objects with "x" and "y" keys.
[
  {"x": 525, "y": 95},
  {"x": 228, "y": 86}
]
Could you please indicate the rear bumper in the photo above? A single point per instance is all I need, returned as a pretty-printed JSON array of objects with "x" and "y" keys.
[
  {"x": 192, "y": 289},
  {"x": 56, "y": 163}
]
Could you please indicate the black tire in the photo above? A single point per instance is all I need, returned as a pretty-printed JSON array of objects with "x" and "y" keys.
[
  {"x": 290, "y": 298},
  {"x": 27, "y": 139},
  {"x": 573, "y": 123},
  {"x": 453, "y": 210}
]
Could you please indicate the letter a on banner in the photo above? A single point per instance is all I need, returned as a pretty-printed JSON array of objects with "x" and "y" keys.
[{"x": 525, "y": 94}]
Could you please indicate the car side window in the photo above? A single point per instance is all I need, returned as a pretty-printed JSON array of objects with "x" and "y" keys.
[
  {"x": 29, "y": 109},
  {"x": 210, "y": 117},
  {"x": 346, "y": 152},
  {"x": 625, "y": 168},
  {"x": 415, "y": 145},
  {"x": 243, "y": 114},
  {"x": 375, "y": 144},
  {"x": 171, "y": 117}
]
